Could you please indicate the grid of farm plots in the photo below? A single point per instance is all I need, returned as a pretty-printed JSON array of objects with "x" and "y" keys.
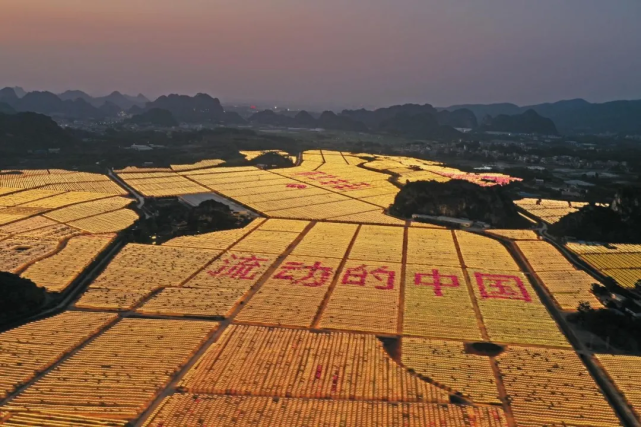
[
  {"x": 338, "y": 193},
  {"x": 408, "y": 169},
  {"x": 332, "y": 323},
  {"x": 550, "y": 211},
  {"x": 620, "y": 261},
  {"x": 53, "y": 223},
  {"x": 307, "y": 301},
  {"x": 326, "y": 185}
]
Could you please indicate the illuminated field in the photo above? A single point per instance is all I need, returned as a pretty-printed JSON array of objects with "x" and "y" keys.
[
  {"x": 49, "y": 339},
  {"x": 552, "y": 387},
  {"x": 55, "y": 223},
  {"x": 622, "y": 262},
  {"x": 625, "y": 371},
  {"x": 323, "y": 311},
  {"x": 84, "y": 383},
  {"x": 567, "y": 285},
  {"x": 550, "y": 211},
  {"x": 266, "y": 412},
  {"x": 447, "y": 363},
  {"x": 293, "y": 363}
]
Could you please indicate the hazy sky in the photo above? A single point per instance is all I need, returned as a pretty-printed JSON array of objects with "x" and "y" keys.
[{"x": 340, "y": 52}]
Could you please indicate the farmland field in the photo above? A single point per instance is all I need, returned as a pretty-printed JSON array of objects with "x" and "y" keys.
[{"x": 322, "y": 311}]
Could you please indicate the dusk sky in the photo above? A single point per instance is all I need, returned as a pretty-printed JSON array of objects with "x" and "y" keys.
[{"x": 327, "y": 52}]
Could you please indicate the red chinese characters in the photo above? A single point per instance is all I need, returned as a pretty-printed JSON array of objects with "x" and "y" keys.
[
  {"x": 358, "y": 276},
  {"x": 437, "y": 281},
  {"x": 333, "y": 181},
  {"x": 239, "y": 267},
  {"x": 299, "y": 273},
  {"x": 296, "y": 186},
  {"x": 499, "y": 286}
]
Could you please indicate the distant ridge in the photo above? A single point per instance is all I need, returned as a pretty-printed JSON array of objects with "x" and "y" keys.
[
  {"x": 569, "y": 116},
  {"x": 572, "y": 116},
  {"x": 528, "y": 122}
]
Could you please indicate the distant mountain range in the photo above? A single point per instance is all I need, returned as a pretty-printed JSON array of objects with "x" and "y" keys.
[
  {"x": 422, "y": 121},
  {"x": 70, "y": 104},
  {"x": 571, "y": 116},
  {"x": 76, "y": 104},
  {"x": 125, "y": 102},
  {"x": 201, "y": 108}
]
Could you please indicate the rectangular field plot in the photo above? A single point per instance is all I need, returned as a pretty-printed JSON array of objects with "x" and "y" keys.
[
  {"x": 245, "y": 411},
  {"x": 483, "y": 252},
  {"x": 17, "y": 253},
  {"x": 215, "y": 291},
  {"x": 366, "y": 298},
  {"x": 216, "y": 240},
  {"x": 553, "y": 387},
  {"x": 511, "y": 310},
  {"x": 327, "y": 240},
  {"x": 377, "y": 243},
  {"x": 139, "y": 269},
  {"x": 516, "y": 234},
  {"x": 83, "y": 210},
  {"x": 625, "y": 372},
  {"x": 371, "y": 217},
  {"x": 438, "y": 304},
  {"x": 33, "y": 418},
  {"x": 250, "y": 360},
  {"x": 567, "y": 285},
  {"x": 293, "y": 294},
  {"x": 272, "y": 242},
  {"x": 324, "y": 210},
  {"x": 429, "y": 246},
  {"x": 58, "y": 271},
  {"x": 447, "y": 363},
  {"x": 137, "y": 356},
  {"x": 31, "y": 348},
  {"x": 165, "y": 186}
]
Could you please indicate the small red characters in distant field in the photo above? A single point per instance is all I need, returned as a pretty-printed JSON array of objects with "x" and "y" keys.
[
  {"x": 333, "y": 181},
  {"x": 296, "y": 186}
]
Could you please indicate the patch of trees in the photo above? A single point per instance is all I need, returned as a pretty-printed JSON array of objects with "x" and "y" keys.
[
  {"x": 172, "y": 219},
  {"x": 458, "y": 199},
  {"x": 619, "y": 223},
  {"x": 613, "y": 325},
  {"x": 19, "y": 297},
  {"x": 272, "y": 160}
]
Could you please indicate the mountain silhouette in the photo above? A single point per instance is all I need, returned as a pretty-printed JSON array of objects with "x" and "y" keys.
[
  {"x": 574, "y": 115},
  {"x": 528, "y": 122},
  {"x": 196, "y": 109},
  {"x": 329, "y": 120}
]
